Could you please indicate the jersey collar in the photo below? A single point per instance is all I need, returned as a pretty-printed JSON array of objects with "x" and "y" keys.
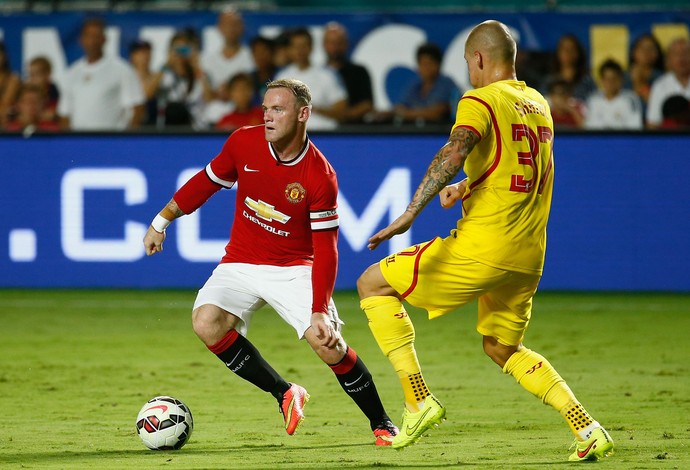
[{"x": 295, "y": 160}]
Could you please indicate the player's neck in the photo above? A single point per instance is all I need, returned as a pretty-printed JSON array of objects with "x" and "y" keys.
[{"x": 288, "y": 150}]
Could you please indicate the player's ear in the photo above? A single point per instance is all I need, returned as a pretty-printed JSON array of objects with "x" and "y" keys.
[
  {"x": 480, "y": 59},
  {"x": 304, "y": 113}
]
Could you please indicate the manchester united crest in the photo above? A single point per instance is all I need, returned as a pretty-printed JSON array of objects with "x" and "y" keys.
[{"x": 295, "y": 192}]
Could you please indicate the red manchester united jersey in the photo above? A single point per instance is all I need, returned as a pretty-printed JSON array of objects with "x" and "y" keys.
[{"x": 278, "y": 203}]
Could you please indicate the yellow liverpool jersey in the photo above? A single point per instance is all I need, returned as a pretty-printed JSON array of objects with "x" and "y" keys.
[{"x": 510, "y": 176}]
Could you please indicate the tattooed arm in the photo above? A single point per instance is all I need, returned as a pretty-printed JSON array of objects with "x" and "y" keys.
[{"x": 446, "y": 164}]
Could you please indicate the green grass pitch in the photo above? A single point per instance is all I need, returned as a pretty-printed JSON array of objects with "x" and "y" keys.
[{"x": 76, "y": 366}]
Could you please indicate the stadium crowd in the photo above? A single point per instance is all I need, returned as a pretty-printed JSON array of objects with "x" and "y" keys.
[{"x": 222, "y": 89}]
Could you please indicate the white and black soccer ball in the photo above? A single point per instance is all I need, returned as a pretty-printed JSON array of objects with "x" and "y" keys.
[{"x": 164, "y": 423}]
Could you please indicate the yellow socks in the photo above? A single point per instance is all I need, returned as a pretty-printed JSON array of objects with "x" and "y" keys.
[
  {"x": 537, "y": 376},
  {"x": 394, "y": 333}
]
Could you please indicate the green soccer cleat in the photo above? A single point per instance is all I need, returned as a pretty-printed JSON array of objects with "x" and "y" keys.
[
  {"x": 416, "y": 424},
  {"x": 598, "y": 445}
]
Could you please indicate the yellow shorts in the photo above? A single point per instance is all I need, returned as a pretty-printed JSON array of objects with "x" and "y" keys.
[{"x": 432, "y": 276}]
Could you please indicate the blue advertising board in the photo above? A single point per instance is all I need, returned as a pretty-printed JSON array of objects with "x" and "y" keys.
[{"x": 76, "y": 207}]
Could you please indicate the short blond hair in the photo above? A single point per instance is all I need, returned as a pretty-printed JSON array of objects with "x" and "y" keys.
[{"x": 297, "y": 87}]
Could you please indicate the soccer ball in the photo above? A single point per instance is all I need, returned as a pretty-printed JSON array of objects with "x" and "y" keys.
[{"x": 164, "y": 423}]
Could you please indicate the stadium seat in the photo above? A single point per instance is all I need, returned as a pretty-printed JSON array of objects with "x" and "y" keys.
[
  {"x": 608, "y": 41},
  {"x": 665, "y": 33}
]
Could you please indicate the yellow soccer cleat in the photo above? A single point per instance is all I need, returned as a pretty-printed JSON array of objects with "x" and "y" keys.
[
  {"x": 598, "y": 445},
  {"x": 416, "y": 424}
]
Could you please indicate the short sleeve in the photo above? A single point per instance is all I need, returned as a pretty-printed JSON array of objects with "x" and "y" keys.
[
  {"x": 132, "y": 90},
  {"x": 223, "y": 169},
  {"x": 473, "y": 114}
]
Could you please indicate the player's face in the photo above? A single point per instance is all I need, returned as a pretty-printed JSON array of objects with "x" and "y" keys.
[{"x": 281, "y": 114}]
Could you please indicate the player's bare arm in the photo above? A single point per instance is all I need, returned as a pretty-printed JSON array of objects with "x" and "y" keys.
[
  {"x": 446, "y": 164},
  {"x": 153, "y": 240}
]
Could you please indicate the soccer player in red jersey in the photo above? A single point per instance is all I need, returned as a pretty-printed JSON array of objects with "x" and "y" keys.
[{"x": 282, "y": 252}]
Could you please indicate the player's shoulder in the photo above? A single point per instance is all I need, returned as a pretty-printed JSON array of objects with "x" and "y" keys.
[
  {"x": 248, "y": 132},
  {"x": 318, "y": 160}
]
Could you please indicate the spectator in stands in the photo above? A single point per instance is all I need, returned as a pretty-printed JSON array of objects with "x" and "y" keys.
[
  {"x": 428, "y": 98},
  {"x": 234, "y": 57},
  {"x": 30, "y": 110},
  {"x": 329, "y": 98},
  {"x": 281, "y": 53},
  {"x": 263, "y": 53},
  {"x": 360, "y": 98},
  {"x": 219, "y": 106},
  {"x": 612, "y": 107},
  {"x": 99, "y": 92},
  {"x": 183, "y": 89},
  {"x": 40, "y": 74},
  {"x": 241, "y": 91},
  {"x": 567, "y": 111},
  {"x": 676, "y": 113},
  {"x": 569, "y": 63},
  {"x": 140, "y": 59},
  {"x": 646, "y": 65},
  {"x": 9, "y": 85},
  {"x": 674, "y": 82}
]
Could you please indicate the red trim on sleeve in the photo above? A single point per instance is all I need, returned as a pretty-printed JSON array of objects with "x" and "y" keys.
[
  {"x": 224, "y": 343},
  {"x": 346, "y": 363},
  {"x": 195, "y": 192},
  {"x": 497, "y": 157},
  {"x": 470, "y": 128},
  {"x": 324, "y": 268}
]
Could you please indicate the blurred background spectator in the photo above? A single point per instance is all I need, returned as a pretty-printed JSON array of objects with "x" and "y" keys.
[
  {"x": 360, "y": 99},
  {"x": 281, "y": 52},
  {"x": 263, "y": 53},
  {"x": 100, "y": 93},
  {"x": 676, "y": 113},
  {"x": 183, "y": 88},
  {"x": 612, "y": 107},
  {"x": 9, "y": 85},
  {"x": 30, "y": 109},
  {"x": 234, "y": 57},
  {"x": 569, "y": 63},
  {"x": 646, "y": 65},
  {"x": 328, "y": 97},
  {"x": 567, "y": 111},
  {"x": 40, "y": 74},
  {"x": 676, "y": 81},
  {"x": 428, "y": 98},
  {"x": 140, "y": 59},
  {"x": 245, "y": 113}
]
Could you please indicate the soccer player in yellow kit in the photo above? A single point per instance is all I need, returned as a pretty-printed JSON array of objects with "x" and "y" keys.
[{"x": 503, "y": 138}]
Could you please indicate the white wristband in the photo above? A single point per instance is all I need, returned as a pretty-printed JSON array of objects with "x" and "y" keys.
[{"x": 160, "y": 223}]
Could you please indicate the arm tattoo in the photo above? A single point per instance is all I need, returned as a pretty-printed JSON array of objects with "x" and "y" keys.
[
  {"x": 446, "y": 164},
  {"x": 172, "y": 211}
]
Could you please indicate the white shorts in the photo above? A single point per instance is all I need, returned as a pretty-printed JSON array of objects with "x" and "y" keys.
[{"x": 241, "y": 289}]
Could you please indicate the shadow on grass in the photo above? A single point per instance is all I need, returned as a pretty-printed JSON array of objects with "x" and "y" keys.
[{"x": 378, "y": 458}]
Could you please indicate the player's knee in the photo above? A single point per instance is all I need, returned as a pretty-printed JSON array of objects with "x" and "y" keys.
[
  {"x": 206, "y": 323},
  {"x": 372, "y": 283},
  {"x": 363, "y": 284},
  {"x": 499, "y": 353}
]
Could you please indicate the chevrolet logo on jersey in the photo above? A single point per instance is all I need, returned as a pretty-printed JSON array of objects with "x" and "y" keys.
[{"x": 266, "y": 211}]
